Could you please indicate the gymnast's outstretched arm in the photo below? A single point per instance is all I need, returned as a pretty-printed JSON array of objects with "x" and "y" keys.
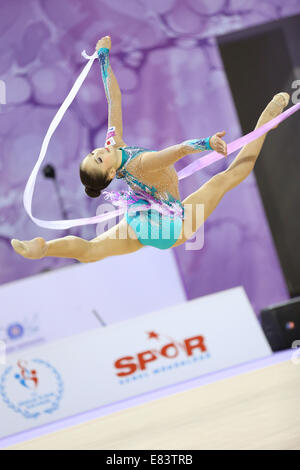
[
  {"x": 112, "y": 90},
  {"x": 155, "y": 161}
]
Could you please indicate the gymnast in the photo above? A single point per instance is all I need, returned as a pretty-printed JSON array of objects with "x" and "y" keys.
[{"x": 151, "y": 176}]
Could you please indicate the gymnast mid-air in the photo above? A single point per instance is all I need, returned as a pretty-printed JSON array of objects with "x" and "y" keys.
[{"x": 150, "y": 176}]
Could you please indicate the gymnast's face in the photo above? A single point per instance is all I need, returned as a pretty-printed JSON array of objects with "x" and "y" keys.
[{"x": 101, "y": 160}]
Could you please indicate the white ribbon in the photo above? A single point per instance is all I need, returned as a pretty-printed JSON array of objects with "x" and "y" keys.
[{"x": 28, "y": 192}]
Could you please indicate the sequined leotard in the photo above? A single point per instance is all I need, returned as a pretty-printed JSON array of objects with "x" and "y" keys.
[{"x": 151, "y": 227}]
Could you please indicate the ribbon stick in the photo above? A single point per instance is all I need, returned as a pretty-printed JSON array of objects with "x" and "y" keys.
[{"x": 187, "y": 171}]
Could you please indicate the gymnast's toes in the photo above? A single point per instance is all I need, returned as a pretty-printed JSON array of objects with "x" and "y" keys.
[
  {"x": 282, "y": 99},
  {"x": 277, "y": 105},
  {"x": 18, "y": 246},
  {"x": 33, "y": 249}
]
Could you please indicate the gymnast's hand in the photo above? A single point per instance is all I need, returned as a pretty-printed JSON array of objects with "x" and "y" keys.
[
  {"x": 104, "y": 42},
  {"x": 218, "y": 144}
]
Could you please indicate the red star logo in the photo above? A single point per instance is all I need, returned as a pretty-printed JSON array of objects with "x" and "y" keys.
[{"x": 152, "y": 334}]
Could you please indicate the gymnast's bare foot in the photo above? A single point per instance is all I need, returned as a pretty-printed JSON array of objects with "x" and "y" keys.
[
  {"x": 277, "y": 105},
  {"x": 33, "y": 249}
]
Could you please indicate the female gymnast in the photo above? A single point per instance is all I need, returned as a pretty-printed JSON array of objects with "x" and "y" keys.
[{"x": 151, "y": 176}]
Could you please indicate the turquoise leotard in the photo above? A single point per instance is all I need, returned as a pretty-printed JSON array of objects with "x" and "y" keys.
[{"x": 151, "y": 227}]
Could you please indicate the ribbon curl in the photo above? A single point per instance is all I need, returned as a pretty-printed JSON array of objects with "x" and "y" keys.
[{"x": 187, "y": 171}]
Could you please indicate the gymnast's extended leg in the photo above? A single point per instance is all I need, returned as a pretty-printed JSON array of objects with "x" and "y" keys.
[
  {"x": 211, "y": 193},
  {"x": 118, "y": 240}
]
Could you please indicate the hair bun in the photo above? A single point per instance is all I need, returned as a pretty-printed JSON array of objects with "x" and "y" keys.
[{"x": 92, "y": 192}]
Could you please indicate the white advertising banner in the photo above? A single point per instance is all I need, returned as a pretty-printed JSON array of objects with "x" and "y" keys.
[
  {"x": 68, "y": 301},
  {"x": 102, "y": 366}
]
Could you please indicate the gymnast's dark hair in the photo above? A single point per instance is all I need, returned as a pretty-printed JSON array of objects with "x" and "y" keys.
[{"x": 94, "y": 182}]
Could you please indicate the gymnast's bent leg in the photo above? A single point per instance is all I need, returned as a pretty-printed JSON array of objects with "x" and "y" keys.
[
  {"x": 211, "y": 193},
  {"x": 118, "y": 240}
]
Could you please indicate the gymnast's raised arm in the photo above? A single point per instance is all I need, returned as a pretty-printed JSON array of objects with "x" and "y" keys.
[
  {"x": 155, "y": 161},
  {"x": 112, "y": 91}
]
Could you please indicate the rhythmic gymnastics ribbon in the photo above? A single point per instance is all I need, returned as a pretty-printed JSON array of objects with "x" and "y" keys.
[{"x": 200, "y": 163}]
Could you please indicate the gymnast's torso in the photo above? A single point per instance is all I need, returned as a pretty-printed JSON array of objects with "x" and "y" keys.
[
  {"x": 164, "y": 180},
  {"x": 151, "y": 227}
]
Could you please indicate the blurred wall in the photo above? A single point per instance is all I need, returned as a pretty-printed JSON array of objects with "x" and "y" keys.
[{"x": 165, "y": 56}]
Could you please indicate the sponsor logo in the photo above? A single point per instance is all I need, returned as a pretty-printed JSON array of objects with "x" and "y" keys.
[
  {"x": 19, "y": 329},
  {"x": 20, "y": 334},
  {"x": 31, "y": 388},
  {"x": 15, "y": 331},
  {"x": 169, "y": 354}
]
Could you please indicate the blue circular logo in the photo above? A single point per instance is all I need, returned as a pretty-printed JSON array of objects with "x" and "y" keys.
[
  {"x": 31, "y": 388},
  {"x": 15, "y": 331}
]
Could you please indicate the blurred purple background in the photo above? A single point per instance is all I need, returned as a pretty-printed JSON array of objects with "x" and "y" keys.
[{"x": 165, "y": 56}]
